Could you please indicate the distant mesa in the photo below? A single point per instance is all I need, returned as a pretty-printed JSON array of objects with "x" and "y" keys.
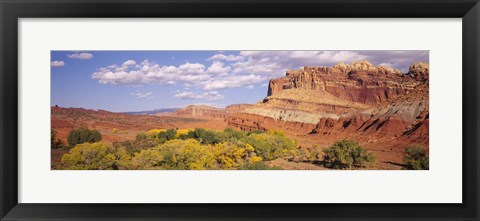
[
  {"x": 202, "y": 111},
  {"x": 153, "y": 112}
]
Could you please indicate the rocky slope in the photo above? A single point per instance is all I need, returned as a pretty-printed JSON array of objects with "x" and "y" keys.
[{"x": 359, "y": 101}]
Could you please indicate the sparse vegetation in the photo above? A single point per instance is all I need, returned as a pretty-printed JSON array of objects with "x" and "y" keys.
[
  {"x": 347, "y": 154},
  {"x": 171, "y": 149},
  {"x": 416, "y": 158},
  {"x": 202, "y": 149}
]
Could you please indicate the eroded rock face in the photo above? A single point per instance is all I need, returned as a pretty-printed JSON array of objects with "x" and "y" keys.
[
  {"x": 358, "y": 99},
  {"x": 201, "y": 111},
  {"x": 419, "y": 71}
]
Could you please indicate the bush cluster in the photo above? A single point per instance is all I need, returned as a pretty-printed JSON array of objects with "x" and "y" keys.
[
  {"x": 202, "y": 149},
  {"x": 54, "y": 141},
  {"x": 83, "y": 135},
  {"x": 416, "y": 158},
  {"x": 346, "y": 154},
  {"x": 195, "y": 149}
]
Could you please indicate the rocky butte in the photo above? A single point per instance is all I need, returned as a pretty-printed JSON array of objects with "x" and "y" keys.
[{"x": 358, "y": 101}]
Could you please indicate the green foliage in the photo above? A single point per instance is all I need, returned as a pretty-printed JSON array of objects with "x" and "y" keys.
[
  {"x": 166, "y": 135},
  {"x": 141, "y": 136},
  {"x": 205, "y": 136},
  {"x": 256, "y": 132},
  {"x": 230, "y": 134},
  {"x": 83, "y": 135},
  {"x": 416, "y": 158},
  {"x": 308, "y": 154},
  {"x": 132, "y": 147},
  {"x": 347, "y": 154},
  {"x": 54, "y": 141},
  {"x": 89, "y": 156}
]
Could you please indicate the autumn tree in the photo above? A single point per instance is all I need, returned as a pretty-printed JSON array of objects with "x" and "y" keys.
[{"x": 89, "y": 156}]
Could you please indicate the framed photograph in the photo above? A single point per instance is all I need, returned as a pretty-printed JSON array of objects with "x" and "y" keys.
[{"x": 230, "y": 110}]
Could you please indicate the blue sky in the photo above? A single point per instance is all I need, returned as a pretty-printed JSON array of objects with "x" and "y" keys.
[{"x": 122, "y": 81}]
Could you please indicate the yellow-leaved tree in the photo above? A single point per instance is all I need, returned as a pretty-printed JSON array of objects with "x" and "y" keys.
[{"x": 89, "y": 156}]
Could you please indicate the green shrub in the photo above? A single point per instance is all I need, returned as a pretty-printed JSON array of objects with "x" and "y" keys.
[
  {"x": 416, "y": 158},
  {"x": 256, "y": 132},
  {"x": 346, "y": 154},
  {"x": 83, "y": 135},
  {"x": 141, "y": 136},
  {"x": 166, "y": 135},
  {"x": 307, "y": 155},
  {"x": 206, "y": 136},
  {"x": 230, "y": 134},
  {"x": 132, "y": 147},
  {"x": 54, "y": 141}
]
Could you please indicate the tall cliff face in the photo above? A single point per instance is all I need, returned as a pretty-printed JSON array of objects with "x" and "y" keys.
[
  {"x": 360, "y": 82},
  {"x": 345, "y": 99}
]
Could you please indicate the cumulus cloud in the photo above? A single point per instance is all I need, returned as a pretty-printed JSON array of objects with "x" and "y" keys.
[
  {"x": 139, "y": 95},
  {"x": 230, "y": 57},
  {"x": 129, "y": 63},
  {"x": 245, "y": 69},
  {"x": 218, "y": 68},
  {"x": 81, "y": 56},
  {"x": 57, "y": 64},
  {"x": 232, "y": 81},
  {"x": 209, "y": 95}
]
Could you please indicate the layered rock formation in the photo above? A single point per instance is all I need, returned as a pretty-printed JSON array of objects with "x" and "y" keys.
[
  {"x": 357, "y": 100},
  {"x": 201, "y": 111}
]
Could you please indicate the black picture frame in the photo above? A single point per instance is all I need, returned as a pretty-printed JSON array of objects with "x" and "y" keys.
[{"x": 12, "y": 10}]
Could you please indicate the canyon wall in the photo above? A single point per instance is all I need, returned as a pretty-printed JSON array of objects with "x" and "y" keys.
[{"x": 359, "y": 100}]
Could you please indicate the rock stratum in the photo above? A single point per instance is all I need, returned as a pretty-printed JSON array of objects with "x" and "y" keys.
[
  {"x": 358, "y": 101},
  {"x": 202, "y": 111}
]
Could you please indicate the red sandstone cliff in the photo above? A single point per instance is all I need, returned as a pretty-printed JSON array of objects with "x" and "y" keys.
[{"x": 359, "y": 100}]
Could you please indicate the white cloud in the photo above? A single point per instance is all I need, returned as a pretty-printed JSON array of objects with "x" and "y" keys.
[
  {"x": 249, "y": 87},
  {"x": 57, "y": 64},
  {"x": 246, "y": 68},
  {"x": 226, "y": 57},
  {"x": 218, "y": 68},
  {"x": 81, "y": 56},
  {"x": 139, "y": 95},
  {"x": 233, "y": 81},
  {"x": 264, "y": 85},
  {"x": 129, "y": 63},
  {"x": 209, "y": 95}
]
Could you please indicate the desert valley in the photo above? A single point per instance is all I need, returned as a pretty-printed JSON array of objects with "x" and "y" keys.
[{"x": 381, "y": 108}]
